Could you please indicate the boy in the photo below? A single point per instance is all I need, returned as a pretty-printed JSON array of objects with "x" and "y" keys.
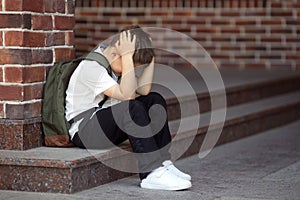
[{"x": 124, "y": 115}]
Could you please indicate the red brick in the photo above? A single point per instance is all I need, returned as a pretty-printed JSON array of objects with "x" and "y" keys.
[
  {"x": 204, "y": 13},
  {"x": 220, "y": 56},
  {"x": 40, "y": 22},
  {"x": 230, "y": 13},
  {"x": 64, "y": 54},
  {"x": 206, "y": 30},
  {"x": 276, "y": 5},
  {"x": 244, "y": 56},
  {"x": 10, "y": 21},
  {"x": 61, "y": 6},
  {"x": 221, "y": 39},
  {"x": 255, "y": 30},
  {"x": 271, "y": 22},
  {"x": 281, "y": 31},
  {"x": 111, "y": 14},
  {"x": 26, "y": 21},
  {"x": 23, "y": 111},
  {"x": 34, "y": 6},
  {"x": 246, "y": 38},
  {"x": 33, "y": 91},
  {"x": 88, "y": 13},
  {"x": 230, "y": 48},
  {"x": 14, "y": 38},
  {"x": 254, "y": 13},
  {"x": 254, "y": 47},
  {"x": 33, "y": 74},
  {"x": 195, "y": 21},
  {"x": 13, "y": 74},
  {"x": 54, "y": 39},
  {"x": 293, "y": 39},
  {"x": 171, "y": 22},
  {"x": 11, "y": 93},
  {"x": 26, "y": 39},
  {"x": 220, "y": 22},
  {"x": 281, "y": 47},
  {"x": 16, "y": 5},
  {"x": 50, "y": 6},
  {"x": 15, "y": 56},
  {"x": 186, "y": 13},
  {"x": 274, "y": 39},
  {"x": 42, "y": 56},
  {"x": 0, "y": 5},
  {"x": 281, "y": 13},
  {"x": 245, "y": 22},
  {"x": 293, "y": 21},
  {"x": 146, "y": 22},
  {"x": 135, "y": 14},
  {"x": 234, "y": 30},
  {"x": 186, "y": 30},
  {"x": 292, "y": 4},
  {"x": 159, "y": 13},
  {"x": 271, "y": 56},
  {"x": 293, "y": 57},
  {"x": 64, "y": 22}
]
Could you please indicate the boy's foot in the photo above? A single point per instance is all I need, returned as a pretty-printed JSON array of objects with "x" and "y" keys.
[
  {"x": 169, "y": 165},
  {"x": 162, "y": 179}
]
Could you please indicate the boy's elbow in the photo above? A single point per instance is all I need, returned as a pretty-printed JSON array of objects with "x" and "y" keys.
[
  {"x": 128, "y": 97},
  {"x": 144, "y": 91}
]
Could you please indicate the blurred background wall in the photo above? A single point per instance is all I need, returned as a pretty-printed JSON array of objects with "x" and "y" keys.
[{"x": 236, "y": 33}]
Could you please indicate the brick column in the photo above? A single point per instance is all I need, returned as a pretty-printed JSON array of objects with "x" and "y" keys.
[{"x": 33, "y": 35}]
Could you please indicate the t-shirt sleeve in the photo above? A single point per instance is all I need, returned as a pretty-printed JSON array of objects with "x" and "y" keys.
[{"x": 96, "y": 77}]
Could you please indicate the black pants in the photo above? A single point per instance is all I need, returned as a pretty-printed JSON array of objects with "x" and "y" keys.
[{"x": 149, "y": 136}]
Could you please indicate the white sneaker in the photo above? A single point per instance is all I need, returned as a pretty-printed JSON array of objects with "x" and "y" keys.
[
  {"x": 163, "y": 179},
  {"x": 169, "y": 165}
]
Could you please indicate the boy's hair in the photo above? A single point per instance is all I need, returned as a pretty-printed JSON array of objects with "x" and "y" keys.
[{"x": 144, "y": 52}]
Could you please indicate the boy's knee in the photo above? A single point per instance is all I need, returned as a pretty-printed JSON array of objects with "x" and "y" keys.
[
  {"x": 157, "y": 98},
  {"x": 135, "y": 105}
]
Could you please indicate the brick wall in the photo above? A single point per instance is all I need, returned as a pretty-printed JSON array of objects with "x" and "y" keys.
[
  {"x": 33, "y": 35},
  {"x": 236, "y": 33}
]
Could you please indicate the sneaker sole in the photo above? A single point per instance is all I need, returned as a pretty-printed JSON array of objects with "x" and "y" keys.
[{"x": 163, "y": 187}]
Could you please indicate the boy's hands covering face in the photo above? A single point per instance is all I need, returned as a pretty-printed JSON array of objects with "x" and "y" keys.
[{"x": 126, "y": 45}]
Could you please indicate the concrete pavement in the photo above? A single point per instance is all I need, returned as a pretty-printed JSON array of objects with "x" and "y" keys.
[{"x": 261, "y": 167}]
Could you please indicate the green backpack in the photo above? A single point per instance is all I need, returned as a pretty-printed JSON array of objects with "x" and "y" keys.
[{"x": 55, "y": 126}]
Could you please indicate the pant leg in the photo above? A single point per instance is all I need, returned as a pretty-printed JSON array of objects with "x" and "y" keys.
[
  {"x": 163, "y": 136},
  {"x": 113, "y": 125}
]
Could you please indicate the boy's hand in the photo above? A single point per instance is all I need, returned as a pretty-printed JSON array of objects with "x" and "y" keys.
[{"x": 126, "y": 45}]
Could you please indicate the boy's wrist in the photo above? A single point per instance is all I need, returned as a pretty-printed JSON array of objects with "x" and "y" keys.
[{"x": 127, "y": 58}]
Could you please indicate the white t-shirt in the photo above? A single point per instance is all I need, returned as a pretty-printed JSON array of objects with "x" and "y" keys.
[{"x": 85, "y": 90}]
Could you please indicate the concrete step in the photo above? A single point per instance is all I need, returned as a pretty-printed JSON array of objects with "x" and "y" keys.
[
  {"x": 240, "y": 87},
  {"x": 69, "y": 170},
  {"x": 257, "y": 100}
]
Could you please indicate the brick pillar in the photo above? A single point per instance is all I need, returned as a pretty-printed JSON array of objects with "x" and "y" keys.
[{"x": 33, "y": 35}]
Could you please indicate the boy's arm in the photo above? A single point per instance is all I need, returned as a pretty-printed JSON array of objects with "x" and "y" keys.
[
  {"x": 127, "y": 87},
  {"x": 144, "y": 82}
]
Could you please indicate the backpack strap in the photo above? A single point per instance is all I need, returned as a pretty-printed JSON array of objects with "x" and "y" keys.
[
  {"x": 101, "y": 60},
  {"x": 94, "y": 56}
]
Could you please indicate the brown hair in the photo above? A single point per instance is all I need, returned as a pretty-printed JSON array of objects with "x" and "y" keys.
[{"x": 144, "y": 52}]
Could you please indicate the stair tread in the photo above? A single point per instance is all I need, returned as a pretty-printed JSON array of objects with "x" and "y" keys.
[{"x": 232, "y": 78}]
